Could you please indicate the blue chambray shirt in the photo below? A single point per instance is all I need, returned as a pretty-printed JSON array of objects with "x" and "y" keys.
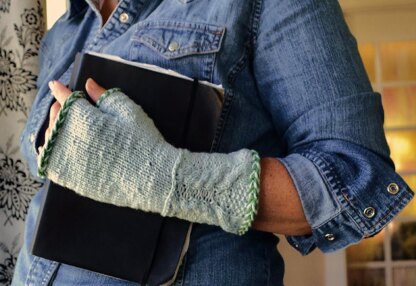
[{"x": 296, "y": 89}]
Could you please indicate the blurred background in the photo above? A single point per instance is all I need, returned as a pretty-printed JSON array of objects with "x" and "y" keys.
[{"x": 386, "y": 34}]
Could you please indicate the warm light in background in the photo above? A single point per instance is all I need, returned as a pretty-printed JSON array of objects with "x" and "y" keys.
[
  {"x": 403, "y": 149},
  {"x": 410, "y": 210},
  {"x": 398, "y": 102},
  {"x": 368, "y": 54},
  {"x": 399, "y": 61},
  {"x": 389, "y": 258},
  {"x": 368, "y": 250}
]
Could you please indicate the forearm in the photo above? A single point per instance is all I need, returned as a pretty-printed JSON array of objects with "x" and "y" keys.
[{"x": 280, "y": 209}]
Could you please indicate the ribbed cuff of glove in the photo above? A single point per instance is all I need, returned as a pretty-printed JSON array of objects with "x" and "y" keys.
[{"x": 115, "y": 154}]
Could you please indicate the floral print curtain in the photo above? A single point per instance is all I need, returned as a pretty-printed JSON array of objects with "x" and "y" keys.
[{"x": 21, "y": 28}]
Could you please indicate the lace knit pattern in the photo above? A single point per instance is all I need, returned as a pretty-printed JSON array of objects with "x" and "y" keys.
[{"x": 212, "y": 187}]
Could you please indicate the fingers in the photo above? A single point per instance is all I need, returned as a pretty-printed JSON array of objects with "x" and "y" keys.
[
  {"x": 53, "y": 112},
  {"x": 48, "y": 133},
  {"x": 59, "y": 91},
  {"x": 93, "y": 89}
]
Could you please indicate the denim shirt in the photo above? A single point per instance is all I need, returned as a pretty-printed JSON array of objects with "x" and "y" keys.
[{"x": 296, "y": 90}]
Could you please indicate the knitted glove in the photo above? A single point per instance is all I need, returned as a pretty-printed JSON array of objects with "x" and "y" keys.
[{"x": 115, "y": 154}]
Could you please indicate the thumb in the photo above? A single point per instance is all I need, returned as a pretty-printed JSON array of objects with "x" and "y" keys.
[{"x": 93, "y": 89}]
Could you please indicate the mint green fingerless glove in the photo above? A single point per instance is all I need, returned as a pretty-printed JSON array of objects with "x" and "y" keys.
[{"x": 115, "y": 154}]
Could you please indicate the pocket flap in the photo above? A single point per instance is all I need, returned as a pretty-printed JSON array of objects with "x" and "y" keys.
[{"x": 178, "y": 39}]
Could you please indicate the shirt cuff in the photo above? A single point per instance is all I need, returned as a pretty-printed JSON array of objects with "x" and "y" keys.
[
  {"x": 337, "y": 221},
  {"x": 318, "y": 204}
]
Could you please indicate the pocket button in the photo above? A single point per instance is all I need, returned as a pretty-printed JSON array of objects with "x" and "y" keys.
[
  {"x": 173, "y": 46},
  {"x": 124, "y": 17}
]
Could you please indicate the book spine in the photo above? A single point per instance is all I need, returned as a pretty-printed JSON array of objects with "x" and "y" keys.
[
  {"x": 35, "y": 240},
  {"x": 190, "y": 110},
  {"x": 76, "y": 70}
]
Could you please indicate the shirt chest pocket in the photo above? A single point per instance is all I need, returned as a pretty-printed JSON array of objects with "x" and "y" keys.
[{"x": 188, "y": 48}]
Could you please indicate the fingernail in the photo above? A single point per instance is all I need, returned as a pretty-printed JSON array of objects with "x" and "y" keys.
[{"x": 51, "y": 84}]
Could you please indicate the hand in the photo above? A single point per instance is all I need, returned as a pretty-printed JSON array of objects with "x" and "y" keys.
[{"x": 61, "y": 93}]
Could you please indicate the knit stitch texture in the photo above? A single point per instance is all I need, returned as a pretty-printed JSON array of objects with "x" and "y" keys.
[{"x": 115, "y": 154}]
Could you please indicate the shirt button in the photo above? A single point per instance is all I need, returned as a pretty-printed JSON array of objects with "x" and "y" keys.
[
  {"x": 393, "y": 188},
  {"x": 124, "y": 17},
  {"x": 370, "y": 212},
  {"x": 173, "y": 46},
  {"x": 32, "y": 138},
  {"x": 330, "y": 237}
]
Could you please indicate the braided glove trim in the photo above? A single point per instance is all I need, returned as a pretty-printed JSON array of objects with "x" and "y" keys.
[
  {"x": 115, "y": 154},
  {"x": 253, "y": 196},
  {"x": 43, "y": 159},
  {"x": 106, "y": 94}
]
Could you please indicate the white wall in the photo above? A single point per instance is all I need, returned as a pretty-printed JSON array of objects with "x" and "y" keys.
[
  {"x": 302, "y": 270},
  {"x": 315, "y": 269},
  {"x": 54, "y": 9}
]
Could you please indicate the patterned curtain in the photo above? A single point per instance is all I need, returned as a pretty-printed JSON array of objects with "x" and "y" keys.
[{"x": 21, "y": 28}]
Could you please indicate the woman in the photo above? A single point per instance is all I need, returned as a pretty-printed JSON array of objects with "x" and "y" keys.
[{"x": 297, "y": 96}]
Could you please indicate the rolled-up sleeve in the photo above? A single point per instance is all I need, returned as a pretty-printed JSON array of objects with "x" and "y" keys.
[{"x": 311, "y": 79}]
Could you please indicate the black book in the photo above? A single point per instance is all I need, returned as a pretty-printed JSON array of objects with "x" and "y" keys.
[{"x": 122, "y": 242}]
